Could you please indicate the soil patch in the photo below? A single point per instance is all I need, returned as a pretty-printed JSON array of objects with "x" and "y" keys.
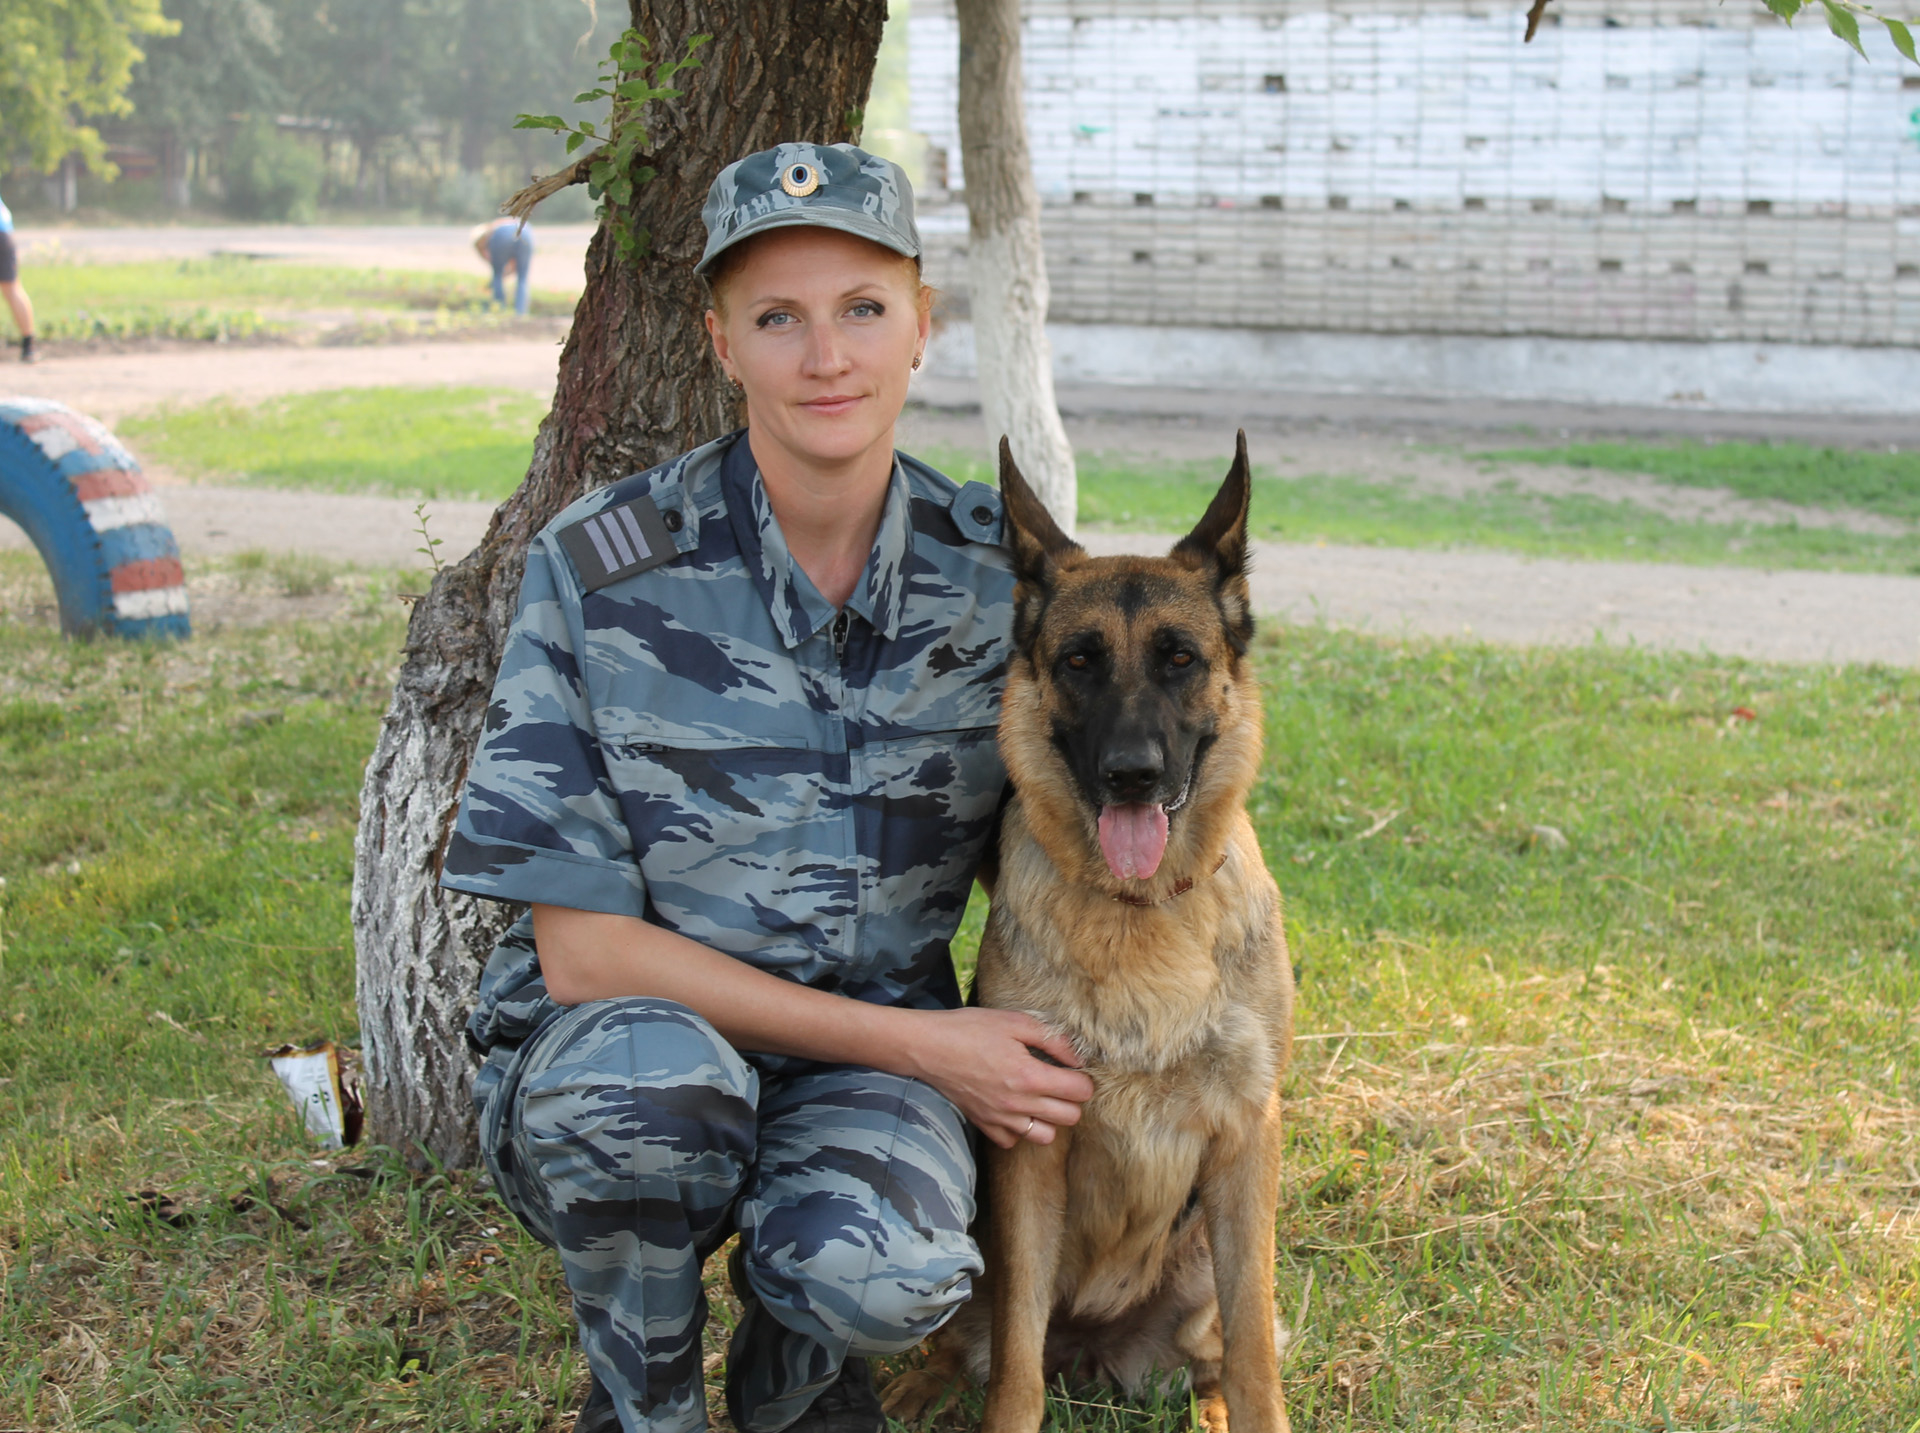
[{"x": 110, "y": 387}]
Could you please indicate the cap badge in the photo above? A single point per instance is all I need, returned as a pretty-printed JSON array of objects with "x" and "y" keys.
[{"x": 800, "y": 180}]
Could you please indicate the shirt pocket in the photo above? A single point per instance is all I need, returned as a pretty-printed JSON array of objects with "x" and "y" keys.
[
  {"x": 929, "y": 796},
  {"x": 719, "y": 792}
]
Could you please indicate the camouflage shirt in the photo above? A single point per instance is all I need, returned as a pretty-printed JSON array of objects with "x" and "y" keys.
[{"x": 707, "y": 744}]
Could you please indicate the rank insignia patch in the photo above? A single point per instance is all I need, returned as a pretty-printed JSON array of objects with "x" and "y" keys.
[{"x": 617, "y": 543}]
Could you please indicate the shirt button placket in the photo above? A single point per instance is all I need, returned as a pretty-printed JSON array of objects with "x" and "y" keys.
[{"x": 857, "y": 777}]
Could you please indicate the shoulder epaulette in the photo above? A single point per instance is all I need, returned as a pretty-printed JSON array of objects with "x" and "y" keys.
[
  {"x": 614, "y": 544},
  {"x": 978, "y": 513}
]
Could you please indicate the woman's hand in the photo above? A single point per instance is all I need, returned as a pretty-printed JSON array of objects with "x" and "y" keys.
[{"x": 983, "y": 1061}]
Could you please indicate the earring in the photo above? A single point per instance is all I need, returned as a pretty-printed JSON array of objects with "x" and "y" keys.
[
  {"x": 738, "y": 386},
  {"x": 916, "y": 363}
]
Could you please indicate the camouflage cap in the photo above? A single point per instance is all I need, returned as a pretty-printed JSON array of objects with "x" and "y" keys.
[{"x": 824, "y": 186}]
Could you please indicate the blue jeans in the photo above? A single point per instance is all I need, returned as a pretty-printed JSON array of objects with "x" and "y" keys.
[
  {"x": 511, "y": 244},
  {"x": 632, "y": 1138}
]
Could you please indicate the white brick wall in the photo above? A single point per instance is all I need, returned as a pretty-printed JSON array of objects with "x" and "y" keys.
[{"x": 1642, "y": 169}]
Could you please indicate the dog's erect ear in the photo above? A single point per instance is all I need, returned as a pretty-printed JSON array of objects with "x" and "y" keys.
[
  {"x": 1033, "y": 537},
  {"x": 1219, "y": 541}
]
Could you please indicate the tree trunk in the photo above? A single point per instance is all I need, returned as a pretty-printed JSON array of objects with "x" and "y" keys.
[
  {"x": 638, "y": 384},
  {"x": 1006, "y": 265},
  {"x": 63, "y": 185},
  {"x": 176, "y": 170},
  {"x": 473, "y": 142}
]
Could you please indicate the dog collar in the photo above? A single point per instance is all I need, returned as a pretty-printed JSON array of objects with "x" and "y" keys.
[{"x": 1180, "y": 888}]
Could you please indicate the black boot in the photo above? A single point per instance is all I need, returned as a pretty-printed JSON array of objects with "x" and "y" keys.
[
  {"x": 847, "y": 1405},
  {"x": 27, "y": 355}
]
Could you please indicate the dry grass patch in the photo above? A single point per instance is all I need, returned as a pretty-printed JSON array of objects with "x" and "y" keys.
[{"x": 1556, "y": 1200}]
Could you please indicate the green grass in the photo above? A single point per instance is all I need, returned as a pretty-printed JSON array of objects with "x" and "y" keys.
[
  {"x": 237, "y": 298},
  {"x": 1613, "y": 1136},
  {"x": 434, "y": 443},
  {"x": 1169, "y": 497},
  {"x": 466, "y": 442},
  {"x": 1875, "y": 482}
]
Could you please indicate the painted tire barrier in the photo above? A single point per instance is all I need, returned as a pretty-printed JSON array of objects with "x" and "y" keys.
[{"x": 93, "y": 516}]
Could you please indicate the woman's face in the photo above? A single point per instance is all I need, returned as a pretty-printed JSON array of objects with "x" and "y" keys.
[{"x": 821, "y": 330}]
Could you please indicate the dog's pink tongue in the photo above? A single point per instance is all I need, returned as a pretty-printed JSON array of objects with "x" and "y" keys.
[{"x": 1133, "y": 838}]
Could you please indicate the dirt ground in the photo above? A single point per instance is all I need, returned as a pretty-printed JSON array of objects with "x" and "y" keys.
[
  {"x": 1795, "y": 616},
  {"x": 112, "y": 386},
  {"x": 559, "y": 254}
]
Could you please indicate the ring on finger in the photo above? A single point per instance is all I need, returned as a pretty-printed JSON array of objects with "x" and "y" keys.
[{"x": 1031, "y": 1121}]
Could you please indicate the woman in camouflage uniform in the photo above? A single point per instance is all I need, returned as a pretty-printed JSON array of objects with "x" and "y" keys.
[{"x": 740, "y": 761}]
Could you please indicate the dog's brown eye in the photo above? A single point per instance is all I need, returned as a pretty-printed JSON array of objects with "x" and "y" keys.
[
  {"x": 1181, "y": 659},
  {"x": 1078, "y": 661}
]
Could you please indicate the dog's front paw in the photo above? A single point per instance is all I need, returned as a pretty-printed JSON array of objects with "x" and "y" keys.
[
  {"x": 911, "y": 1394},
  {"x": 1213, "y": 1414}
]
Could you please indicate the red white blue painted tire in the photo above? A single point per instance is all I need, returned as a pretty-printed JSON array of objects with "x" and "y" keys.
[{"x": 95, "y": 520}]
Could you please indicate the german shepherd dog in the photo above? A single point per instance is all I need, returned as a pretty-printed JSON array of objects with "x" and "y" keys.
[{"x": 1132, "y": 910}]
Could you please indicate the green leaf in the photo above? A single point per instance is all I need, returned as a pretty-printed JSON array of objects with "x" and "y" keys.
[
  {"x": 1785, "y": 9},
  {"x": 1842, "y": 22},
  {"x": 574, "y": 141},
  {"x": 1902, "y": 38},
  {"x": 539, "y": 121},
  {"x": 589, "y": 96},
  {"x": 639, "y": 91},
  {"x": 690, "y": 61}
]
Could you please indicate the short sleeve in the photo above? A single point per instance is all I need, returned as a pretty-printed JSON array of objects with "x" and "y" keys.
[{"x": 539, "y": 820}]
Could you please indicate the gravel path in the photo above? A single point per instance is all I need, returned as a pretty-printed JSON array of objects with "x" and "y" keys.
[
  {"x": 1790, "y": 616},
  {"x": 113, "y": 386}
]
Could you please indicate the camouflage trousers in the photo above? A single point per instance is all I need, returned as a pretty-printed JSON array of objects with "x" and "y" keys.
[{"x": 632, "y": 1138}]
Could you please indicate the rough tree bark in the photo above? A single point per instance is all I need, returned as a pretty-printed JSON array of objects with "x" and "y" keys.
[
  {"x": 1006, "y": 265},
  {"x": 637, "y": 385}
]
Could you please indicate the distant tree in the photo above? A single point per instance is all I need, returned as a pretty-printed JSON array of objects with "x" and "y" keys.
[
  {"x": 510, "y": 57},
  {"x": 62, "y": 63},
  {"x": 366, "y": 66},
  {"x": 225, "y": 60}
]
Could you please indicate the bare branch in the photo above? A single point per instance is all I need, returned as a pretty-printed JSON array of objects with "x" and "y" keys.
[
  {"x": 1535, "y": 13},
  {"x": 521, "y": 205}
]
